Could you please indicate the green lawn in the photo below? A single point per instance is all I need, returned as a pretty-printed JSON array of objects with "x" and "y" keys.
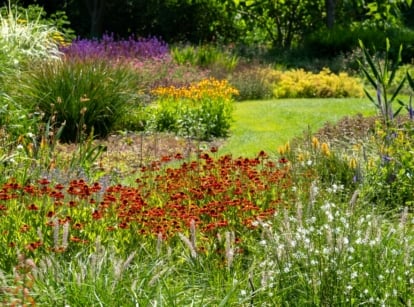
[{"x": 264, "y": 125}]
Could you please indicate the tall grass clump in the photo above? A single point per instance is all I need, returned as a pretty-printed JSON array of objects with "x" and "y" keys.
[
  {"x": 23, "y": 39},
  {"x": 84, "y": 96},
  {"x": 252, "y": 83}
]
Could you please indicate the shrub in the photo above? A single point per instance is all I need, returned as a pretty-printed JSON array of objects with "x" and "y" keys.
[
  {"x": 85, "y": 95},
  {"x": 301, "y": 84},
  {"x": 330, "y": 42},
  {"x": 202, "y": 110}
]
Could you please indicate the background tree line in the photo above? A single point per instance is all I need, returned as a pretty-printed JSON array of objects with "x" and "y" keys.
[{"x": 325, "y": 26}]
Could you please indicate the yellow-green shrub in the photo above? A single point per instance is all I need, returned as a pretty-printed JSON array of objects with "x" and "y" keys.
[{"x": 299, "y": 83}]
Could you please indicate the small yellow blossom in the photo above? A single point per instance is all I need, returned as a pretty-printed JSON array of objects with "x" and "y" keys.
[
  {"x": 315, "y": 142},
  {"x": 283, "y": 149},
  {"x": 325, "y": 149},
  {"x": 353, "y": 163}
]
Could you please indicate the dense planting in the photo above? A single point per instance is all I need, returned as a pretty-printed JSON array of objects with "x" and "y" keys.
[
  {"x": 116, "y": 50},
  {"x": 317, "y": 222},
  {"x": 215, "y": 194}
]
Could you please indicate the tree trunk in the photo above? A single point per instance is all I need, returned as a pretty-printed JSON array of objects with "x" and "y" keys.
[
  {"x": 330, "y": 13},
  {"x": 96, "y": 10}
]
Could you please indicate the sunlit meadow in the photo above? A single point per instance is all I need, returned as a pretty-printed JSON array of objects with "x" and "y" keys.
[{"x": 300, "y": 226}]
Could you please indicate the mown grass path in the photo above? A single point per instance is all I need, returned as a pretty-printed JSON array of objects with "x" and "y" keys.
[{"x": 264, "y": 125}]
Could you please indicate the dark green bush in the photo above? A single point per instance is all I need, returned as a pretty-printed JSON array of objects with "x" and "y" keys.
[
  {"x": 328, "y": 43},
  {"x": 90, "y": 95}
]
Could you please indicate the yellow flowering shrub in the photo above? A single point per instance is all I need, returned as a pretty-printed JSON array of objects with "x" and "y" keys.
[
  {"x": 202, "y": 110},
  {"x": 299, "y": 83}
]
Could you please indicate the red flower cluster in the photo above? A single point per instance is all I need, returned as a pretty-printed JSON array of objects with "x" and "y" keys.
[{"x": 215, "y": 193}]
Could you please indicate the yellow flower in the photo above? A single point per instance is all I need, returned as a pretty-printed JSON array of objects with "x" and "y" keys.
[
  {"x": 315, "y": 142},
  {"x": 353, "y": 163},
  {"x": 301, "y": 157},
  {"x": 287, "y": 147},
  {"x": 325, "y": 149},
  {"x": 371, "y": 163},
  {"x": 356, "y": 147}
]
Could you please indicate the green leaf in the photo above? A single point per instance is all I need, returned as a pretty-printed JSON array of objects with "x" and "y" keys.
[
  {"x": 387, "y": 42},
  {"x": 410, "y": 80},
  {"x": 397, "y": 112},
  {"x": 400, "y": 86},
  {"x": 371, "y": 64},
  {"x": 371, "y": 99},
  {"x": 369, "y": 77}
]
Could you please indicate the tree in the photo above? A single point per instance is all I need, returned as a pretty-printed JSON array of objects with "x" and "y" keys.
[{"x": 285, "y": 21}]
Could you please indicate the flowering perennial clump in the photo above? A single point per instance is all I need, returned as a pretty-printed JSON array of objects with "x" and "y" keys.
[
  {"x": 111, "y": 49},
  {"x": 201, "y": 110},
  {"x": 211, "y": 88},
  {"x": 222, "y": 194}
]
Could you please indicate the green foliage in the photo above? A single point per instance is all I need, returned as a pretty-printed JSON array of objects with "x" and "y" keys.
[
  {"x": 83, "y": 96},
  {"x": 330, "y": 42},
  {"x": 374, "y": 37},
  {"x": 284, "y": 22},
  {"x": 385, "y": 13},
  {"x": 301, "y": 84},
  {"x": 335, "y": 246}
]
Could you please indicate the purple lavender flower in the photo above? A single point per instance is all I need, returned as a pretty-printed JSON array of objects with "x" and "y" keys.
[{"x": 111, "y": 49}]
